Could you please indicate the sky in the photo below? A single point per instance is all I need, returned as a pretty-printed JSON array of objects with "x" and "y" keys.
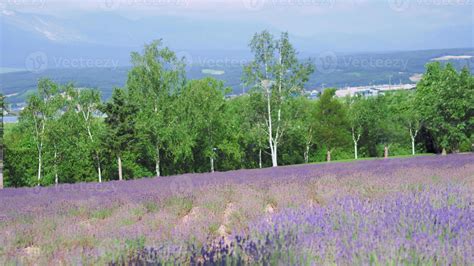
[{"x": 314, "y": 25}]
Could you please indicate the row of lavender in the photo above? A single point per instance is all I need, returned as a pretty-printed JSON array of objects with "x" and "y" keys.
[
  {"x": 98, "y": 223},
  {"x": 27, "y": 199},
  {"x": 432, "y": 226}
]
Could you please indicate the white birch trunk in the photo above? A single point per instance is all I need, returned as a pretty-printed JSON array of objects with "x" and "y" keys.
[
  {"x": 274, "y": 156},
  {"x": 306, "y": 154},
  {"x": 97, "y": 157},
  {"x": 260, "y": 158},
  {"x": 56, "y": 178},
  {"x": 271, "y": 141},
  {"x": 40, "y": 162},
  {"x": 413, "y": 135},
  {"x": 99, "y": 170},
  {"x": 86, "y": 114},
  {"x": 356, "y": 143},
  {"x": 212, "y": 164},
  {"x": 119, "y": 160},
  {"x": 157, "y": 162},
  {"x": 355, "y": 150}
]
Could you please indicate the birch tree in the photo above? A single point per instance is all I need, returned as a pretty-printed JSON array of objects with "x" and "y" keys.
[
  {"x": 54, "y": 139},
  {"x": 276, "y": 73},
  {"x": 155, "y": 81},
  {"x": 205, "y": 105},
  {"x": 86, "y": 103},
  {"x": 410, "y": 118},
  {"x": 308, "y": 126},
  {"x": 356, "y": 120},
  {"x": 40, "y": 110}
]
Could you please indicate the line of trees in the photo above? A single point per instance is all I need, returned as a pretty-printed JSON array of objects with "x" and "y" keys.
[
  {"x": 2, "y": 104},
  {"x": 162, "y": 124}
]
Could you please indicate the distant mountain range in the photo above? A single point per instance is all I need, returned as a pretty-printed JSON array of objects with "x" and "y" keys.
[{"x": 332, "y": 70}]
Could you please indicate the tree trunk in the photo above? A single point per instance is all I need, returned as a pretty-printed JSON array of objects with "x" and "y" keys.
[
  {"x": 355, "y": 150},
  {"x": 271, "y": 141},
  {"x": 385, "y": 152},
  {"x": 157, "y": 162},
  {"x": 413, "y": 134},
  {"x": 274, "y": 156},
  {"x": 444, "y": 152},
  {"x": 212, "y": 165},
  {"x": 306, "y": 154},
  {"x": 99, "y": 170},
  {"x": 119, "y": 161},
  {"x": 328, "y": 156},
  {"x": 97, "y": 157},
  {"x": 40, "y": 162},
  {"x": 356, "y": 142},
  {"x": 260, "y": 158},
  {"x": 56, "y": 178}
]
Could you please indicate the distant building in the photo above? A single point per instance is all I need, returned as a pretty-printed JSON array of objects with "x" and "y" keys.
[
  {"x": 372, "y": 90},
  {"x": 313, "y": 94},
  {"x": 367, "y": 92}
]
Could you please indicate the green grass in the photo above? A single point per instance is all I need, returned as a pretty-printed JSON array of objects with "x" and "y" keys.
[
  {"x": 151, "y": 206},
  {"x": 180, "y": 206},
  {"x": 101, "y": 214}
]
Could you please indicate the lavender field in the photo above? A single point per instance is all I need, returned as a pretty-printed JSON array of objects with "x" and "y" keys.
[{"x": 407, "y": 211}]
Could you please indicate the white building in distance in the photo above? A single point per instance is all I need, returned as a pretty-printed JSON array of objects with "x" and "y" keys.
[{"x": 372, "y": 90}]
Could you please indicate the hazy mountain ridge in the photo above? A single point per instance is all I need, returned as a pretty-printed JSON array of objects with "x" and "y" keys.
[{"x": 332, "y": 70}]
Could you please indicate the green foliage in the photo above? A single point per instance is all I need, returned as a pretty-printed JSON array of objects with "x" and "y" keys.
[
  {"x": 276, "y": 76},
  {"x": 154, "y": 83},
  {"x": 445, "y": 99},
  {"x": 161, "y": 123},
  {"x": 332, "y": 125},
  {"x": 120, "y": 123}
]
